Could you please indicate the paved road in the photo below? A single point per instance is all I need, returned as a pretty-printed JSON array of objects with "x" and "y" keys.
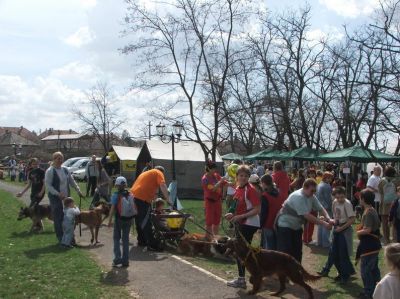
[{"x": 150, "y": 275}]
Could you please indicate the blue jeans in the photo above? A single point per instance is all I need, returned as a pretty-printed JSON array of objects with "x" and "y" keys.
[
  {"x": 58, "y": 215},
  {"x": 323, "y": 237},
  {"x": 370, "y": 273},
  {"x": 269, "y": 239},
  {"x": 121, "y": 232}
]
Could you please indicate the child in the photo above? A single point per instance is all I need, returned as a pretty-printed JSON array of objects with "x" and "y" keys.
[
  {"x": 342, "y": 244},
  {"x": 159, "y": 207},
  {"x": 394, "y": 215},
  {"x": 70, "y": 211},
  {"x": 369, "y": 246},
  {"x": 389, "y": 286},
  {"x": 122, "y": 224}
]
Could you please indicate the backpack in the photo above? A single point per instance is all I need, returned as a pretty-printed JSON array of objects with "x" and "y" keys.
[
  {"x": 389, "y": 191},
  {"x": 126, "y": 206}
]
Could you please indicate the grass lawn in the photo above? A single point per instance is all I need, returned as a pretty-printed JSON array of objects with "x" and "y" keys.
[{"x": 34, "y": 266}]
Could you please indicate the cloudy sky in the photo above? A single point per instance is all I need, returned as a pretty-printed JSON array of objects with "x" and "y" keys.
[{"x": 53, "y": 50}]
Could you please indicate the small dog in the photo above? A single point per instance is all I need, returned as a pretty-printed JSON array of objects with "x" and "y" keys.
[
  {"x": 93, "y": 219},
  {"x": 265, "y": 263},
  {"x": 195, "y": 244},
  {"x": 37, "y": 213}
]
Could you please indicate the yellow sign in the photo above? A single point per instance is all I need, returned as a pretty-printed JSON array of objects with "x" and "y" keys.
[{"x": 128, "y": 165}]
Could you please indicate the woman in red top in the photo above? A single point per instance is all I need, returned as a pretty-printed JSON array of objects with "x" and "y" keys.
[
  {"x": 212, "y": 187},
  {"x": 271, "y": 203},
  {"x": 245, "y": 214}
]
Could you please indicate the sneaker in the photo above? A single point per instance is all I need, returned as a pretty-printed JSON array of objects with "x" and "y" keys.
[
  {"x": 239, "y": 282},
  {"x": 323, "y": 273},
  {"x": 116, "y": 264}
]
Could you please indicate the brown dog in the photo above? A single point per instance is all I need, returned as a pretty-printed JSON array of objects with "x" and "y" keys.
[
  {"x": 93, "y": 219},
  {"x": 195, "y": 244},
  {"x": 37, "y": 214},
  {"x": 262, "y": 263}
]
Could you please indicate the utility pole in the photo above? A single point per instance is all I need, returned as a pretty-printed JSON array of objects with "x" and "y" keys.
[{"x": 149, "y": 130}]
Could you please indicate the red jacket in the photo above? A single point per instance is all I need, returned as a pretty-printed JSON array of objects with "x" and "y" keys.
[
  {"x": 271, "y": 203},
  {"x": 282, "y": 181}
]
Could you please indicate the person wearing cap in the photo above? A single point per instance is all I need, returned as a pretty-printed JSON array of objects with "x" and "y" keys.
[
  {"x": 212, "y": 183},
  {"x": 122, "y": 225},
  {"x": 145, "y": 190},
  {"x": 254, "y": 180}
]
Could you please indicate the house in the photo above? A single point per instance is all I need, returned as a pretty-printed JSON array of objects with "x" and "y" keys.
[
  {"x": 12, "y": 143},
  {"x": 189, "y": 164}
]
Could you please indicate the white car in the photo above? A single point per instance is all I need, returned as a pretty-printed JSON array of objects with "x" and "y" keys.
[
  {"x": 80, "y": 164},
  {"x": 71, "y": 161},
  {"x": 79, "y": 175}
]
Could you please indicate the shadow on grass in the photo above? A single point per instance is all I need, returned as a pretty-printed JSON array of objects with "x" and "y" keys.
[
  {"x": 116, "y": 276},
  {"x": 26, "y": 234},
  {"x": 38, "y": 252}
]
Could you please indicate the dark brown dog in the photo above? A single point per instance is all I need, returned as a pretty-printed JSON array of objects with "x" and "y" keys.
[
  {"x": 37, "y": 214},
  {"x": 262, "y": 263},
  {"x": 93, "y": 219}
]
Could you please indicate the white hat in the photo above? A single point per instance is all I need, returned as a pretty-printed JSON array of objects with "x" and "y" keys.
[
  {"x": 120, "y": 180},
  {"x": 254, "y": 179}
]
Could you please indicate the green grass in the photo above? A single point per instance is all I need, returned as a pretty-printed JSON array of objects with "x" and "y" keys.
[{"x": 34, "y": 266}]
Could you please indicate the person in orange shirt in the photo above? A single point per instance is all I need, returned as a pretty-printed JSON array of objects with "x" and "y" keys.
[{"x": 145, "y": 190}]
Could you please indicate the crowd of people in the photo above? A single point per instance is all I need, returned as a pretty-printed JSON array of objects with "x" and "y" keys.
[{"x": 285, "y": 208}]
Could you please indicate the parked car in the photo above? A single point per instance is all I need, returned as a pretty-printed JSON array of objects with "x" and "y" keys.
[
  {"x": 71, "y": 161},
  {"x": 80, "y": 164},
  {"x": 79, "y": 175}
]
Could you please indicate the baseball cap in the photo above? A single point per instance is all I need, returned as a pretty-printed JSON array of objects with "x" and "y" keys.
[
  {"x": 254, "y": 179},
  {"x": 120, "y": 181}
]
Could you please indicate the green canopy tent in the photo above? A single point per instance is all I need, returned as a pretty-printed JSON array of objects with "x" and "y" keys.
[
  {"x": 232, "y": 156},
  {"x": 300, "y": 154},
  {"x": 262, "y": 155},
  {"x": 357, "y": 154}
]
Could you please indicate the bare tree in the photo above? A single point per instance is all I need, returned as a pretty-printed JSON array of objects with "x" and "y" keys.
[{"x": 99, "y": 115}]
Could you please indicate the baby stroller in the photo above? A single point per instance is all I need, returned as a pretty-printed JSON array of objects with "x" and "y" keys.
[{"x": 168, "y": 226}]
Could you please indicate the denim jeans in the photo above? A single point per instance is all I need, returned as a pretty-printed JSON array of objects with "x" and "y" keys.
[
  {"x": 323, "y": 237},
  {"x": 269, "y": 239},
  {"x": 370, "y": 273},
  {"x": 121, "y": 232},
  {"x": 57, "y": 210}
]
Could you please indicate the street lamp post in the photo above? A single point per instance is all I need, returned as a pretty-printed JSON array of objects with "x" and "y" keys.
[{"x": 174, "y": 137}]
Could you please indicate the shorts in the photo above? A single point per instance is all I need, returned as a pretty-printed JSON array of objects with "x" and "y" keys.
[{"x": 213, "y": 212}]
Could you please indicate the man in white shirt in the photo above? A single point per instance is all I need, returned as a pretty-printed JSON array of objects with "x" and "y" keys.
[{"x": 373, "y": 183}]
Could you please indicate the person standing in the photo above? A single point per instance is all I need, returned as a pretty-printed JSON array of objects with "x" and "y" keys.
[
  {"x": 212, "y": 184},
  {"x": 36, "y": 183},
  {"x": 103, "y": 186},
  {"x": 58, "y": 180},
  {"x": 92, "y": 174},
  {"x": 324, "y": 195},
  {"x": 245, "y": 213},
  {"x": 145, "y": 191},
  {"x": 12, "y": 164},
  {"x": 70, "y": 212},
  {"x": 387, "y": 190},
  {"x": 373, "y": 183},
  {"x": 295, "y": 211},
  {"x": 281, "y": 180}
]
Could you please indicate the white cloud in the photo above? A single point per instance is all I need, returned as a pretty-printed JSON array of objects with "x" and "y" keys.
[
  {"x": 78, "y": 71},
  {"x": 81, "y": 37},
  {"x": 351, "y": 8},
  {"x": 331, "y": 33}
]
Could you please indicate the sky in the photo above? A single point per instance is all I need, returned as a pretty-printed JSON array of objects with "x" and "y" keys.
[{"x": 53, "y": 51}]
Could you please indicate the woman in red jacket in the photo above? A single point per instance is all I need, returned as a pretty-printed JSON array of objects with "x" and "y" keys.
[
  {"x": 271, "y": 203},
  {"x": 245, "y": 213}
]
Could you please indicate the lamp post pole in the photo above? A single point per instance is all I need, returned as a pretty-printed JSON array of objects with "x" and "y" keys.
[{"x": 173, "y": 157}]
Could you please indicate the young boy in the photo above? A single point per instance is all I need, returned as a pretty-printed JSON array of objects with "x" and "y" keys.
[
  {"x": 159, "y": 206},
  {"x": 68, "y": 224},
  {"x": 369, "y": 246},
  {"x": 342, "y": 245},
  {"x": 122, "y": 224}
]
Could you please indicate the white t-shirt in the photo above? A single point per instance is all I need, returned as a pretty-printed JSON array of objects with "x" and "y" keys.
[
  {"x": 388, "y": 287},
  {"x": 373, "y": 182},
  {"x": 342, "y": 211}
]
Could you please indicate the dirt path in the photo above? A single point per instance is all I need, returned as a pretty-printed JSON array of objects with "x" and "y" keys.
[{"x": 163, "y": 275}]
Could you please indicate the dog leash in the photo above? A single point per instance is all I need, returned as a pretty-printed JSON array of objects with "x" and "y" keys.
[{"x": 253, "y": 251}]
